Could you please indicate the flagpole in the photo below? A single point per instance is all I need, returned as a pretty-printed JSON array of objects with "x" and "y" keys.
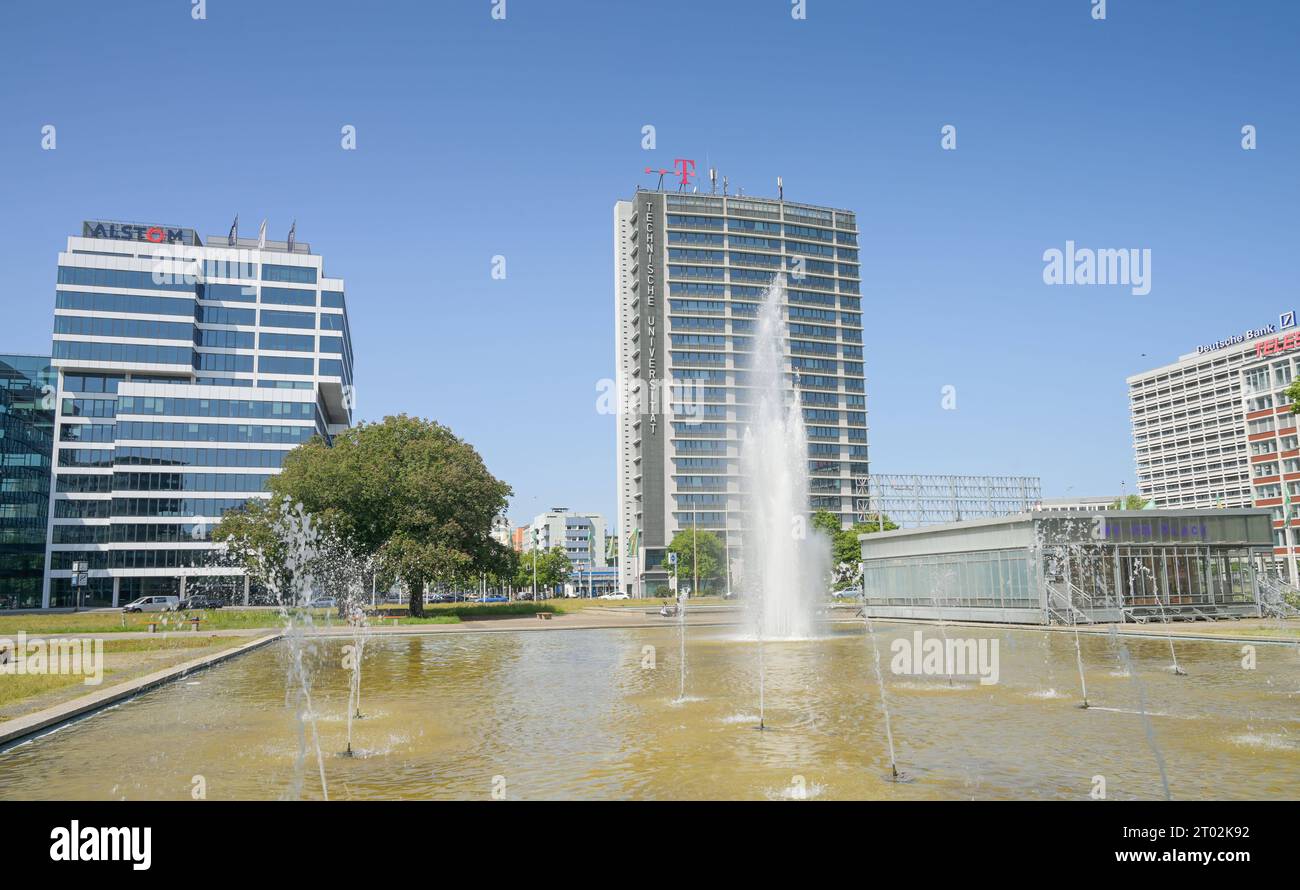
[{"x": 1289, "y": 537}]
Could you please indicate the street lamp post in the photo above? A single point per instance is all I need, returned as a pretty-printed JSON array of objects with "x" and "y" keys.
[
  {"x": 695, "y": 558},
  {"x": 534, "y": 565},
  {"x": 80, "y": 572}
]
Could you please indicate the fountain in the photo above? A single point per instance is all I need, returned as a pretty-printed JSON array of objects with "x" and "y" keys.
[
  {"x": 762, "y": 673},
  {"x": 1164, "y": 618},
  {"x": 1126, "y": 664},
  {"x": 1078, "y": 658},
  {"x": 786, "y": 566},
  {"x": 681, "y": 642},
  {"x": 895, "y": 775},
  {"x": 360, "y": 631},
  {"x": 289, "y": 572}
]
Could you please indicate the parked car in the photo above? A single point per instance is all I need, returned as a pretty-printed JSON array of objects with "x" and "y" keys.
[
  {"x": 201, "y": 602},
  {"x": 153, "y": 604},
  {"x": 495, "y": 599},
  {"x": 615, "y": 596},
  {"x": 848, "y": 593},
  {"x": 323, "y": 602}
]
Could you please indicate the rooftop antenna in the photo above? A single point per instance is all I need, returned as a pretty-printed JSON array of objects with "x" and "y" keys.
[
  {"x": 724, "y": 185},
  {"x": 713, "y": 181},
  {"x": 780, "y": 189},
  {"x": 662, "y": 174}
]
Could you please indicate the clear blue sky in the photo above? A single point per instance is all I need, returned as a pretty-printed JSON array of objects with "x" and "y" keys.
[{"x": 479, "y": 137}]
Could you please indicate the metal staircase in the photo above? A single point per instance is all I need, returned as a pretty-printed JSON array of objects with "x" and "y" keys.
[{"x": 1067, "y": 604}]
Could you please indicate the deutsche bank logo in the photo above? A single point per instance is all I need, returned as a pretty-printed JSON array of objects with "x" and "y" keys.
[{"x": 1286, "y": 320}]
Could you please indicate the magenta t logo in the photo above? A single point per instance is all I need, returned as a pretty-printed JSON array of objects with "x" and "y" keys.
[{"x": 686, "y": 168}]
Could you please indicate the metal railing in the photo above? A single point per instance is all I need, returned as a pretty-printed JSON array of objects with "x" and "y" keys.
[{"x": 1277, "y": 598}]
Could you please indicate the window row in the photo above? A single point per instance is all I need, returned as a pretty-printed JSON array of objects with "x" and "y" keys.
[
  {"x": 213, "y": 432},
  {"x": 178, "y": 407},
  {"x": 91, "y": 326},
  {"x": 187, "y": 481}
]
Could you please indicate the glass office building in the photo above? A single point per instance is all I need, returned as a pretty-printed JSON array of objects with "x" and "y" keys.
[
  {"x": 690, "y": 272},
  {"x": 186, "y": 372},
  {"x": 27, "y": 396},
  {"x": 1072, "y": 567}
]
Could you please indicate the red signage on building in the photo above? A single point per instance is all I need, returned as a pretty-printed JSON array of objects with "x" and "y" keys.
[{"x": 1278, "y": 344}]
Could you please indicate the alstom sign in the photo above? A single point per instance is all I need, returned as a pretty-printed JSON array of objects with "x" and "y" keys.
[{"x": 94, "y": 228}]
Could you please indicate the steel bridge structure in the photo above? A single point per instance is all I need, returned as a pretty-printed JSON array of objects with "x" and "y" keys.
[{"x": 913, "y": 500}]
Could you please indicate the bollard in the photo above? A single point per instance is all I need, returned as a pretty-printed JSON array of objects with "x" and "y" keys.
[{"x": 153, "y": 627}]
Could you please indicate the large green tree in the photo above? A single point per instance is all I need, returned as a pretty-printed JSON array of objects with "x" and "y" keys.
[
  {"x": 846, "y": 549},
  {"x": 1131, "y": 502},
  {"x": 712, "y": 554},
  {"x": 826, "y": 522},
  {"x": 405, "y": 492}
]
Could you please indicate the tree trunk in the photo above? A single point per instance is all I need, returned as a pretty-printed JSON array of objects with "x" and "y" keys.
[{"x": 417, "y": 598}]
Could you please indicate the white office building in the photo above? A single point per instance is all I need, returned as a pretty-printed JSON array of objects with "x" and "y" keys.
[
  {"x": 501, "y": 531},
  {"x": 580, "y": 535},
  {"x": 186, "y": 372},
  {"x": 1189, "y": 426}
]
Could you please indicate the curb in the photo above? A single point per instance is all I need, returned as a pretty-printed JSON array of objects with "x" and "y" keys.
[{"x": 20, "y": 728}]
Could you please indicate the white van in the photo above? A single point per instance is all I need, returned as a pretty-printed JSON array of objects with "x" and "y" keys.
[{"x": 153, "y": 604}]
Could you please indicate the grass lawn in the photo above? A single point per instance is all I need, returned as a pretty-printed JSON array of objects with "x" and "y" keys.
[
  {"x": 123, "y": 660},
  {"x": 34, "y": 623},
  {"x": 649, "y": 602},
  {"x": 435, "y": 612},
  {"x": 526, "y": 608}
]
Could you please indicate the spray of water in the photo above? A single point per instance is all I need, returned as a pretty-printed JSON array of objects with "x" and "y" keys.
[
  {"x": 681, "y": 643},
  {"x": 1078, "y": 657},
  {"x": 1164, "y": 619},
  {"x": 360, "y": 633},
  {"x": 895, "y": 775},
  {"x": 1126, "y": 664},
  {"x": 785, "y": 564},
  {"x": 289, "y": 573}
]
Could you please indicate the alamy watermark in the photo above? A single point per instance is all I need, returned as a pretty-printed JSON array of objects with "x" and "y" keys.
[
  {"x": 1129, "y": 266},
  {"x": 953, "y": 657},
  {"x": 72, "y": 656}
]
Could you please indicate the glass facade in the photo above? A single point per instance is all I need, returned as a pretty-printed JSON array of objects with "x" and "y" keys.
[
  {"x": 27, "y": 397},
  {"x": 716, "y": 256},
  {"x": 1123, "y": 565},
  {"x": 978, "y": 579},
  {"x": 181, "y": 397}
]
